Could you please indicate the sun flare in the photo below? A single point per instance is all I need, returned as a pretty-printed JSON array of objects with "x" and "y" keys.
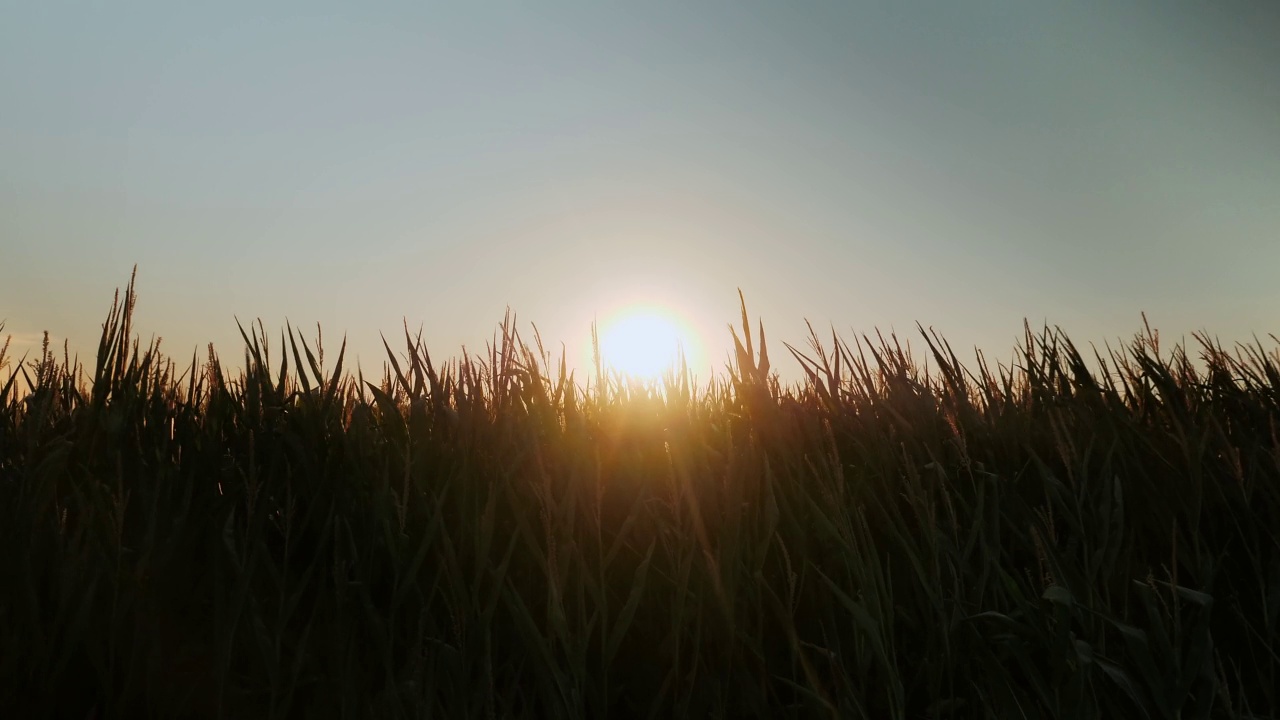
[{"x": 643, "y": 343}]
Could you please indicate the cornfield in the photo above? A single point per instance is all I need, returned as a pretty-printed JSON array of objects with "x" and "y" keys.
[{"x": 1071, "y": 536}]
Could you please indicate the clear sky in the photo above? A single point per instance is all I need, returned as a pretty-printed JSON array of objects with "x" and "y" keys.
[{"x": 963, "y": 164}]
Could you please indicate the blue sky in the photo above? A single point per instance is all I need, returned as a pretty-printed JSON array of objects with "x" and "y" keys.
[{"x": 862, "y": 165}]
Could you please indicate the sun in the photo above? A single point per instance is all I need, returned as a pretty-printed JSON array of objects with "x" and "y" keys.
[{"x": 642, "y": 342}]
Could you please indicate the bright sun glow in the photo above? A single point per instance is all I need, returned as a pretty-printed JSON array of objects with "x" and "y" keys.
[{"x": 642, "y": 343}]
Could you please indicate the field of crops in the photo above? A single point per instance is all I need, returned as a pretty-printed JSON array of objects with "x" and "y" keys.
[{"x": 1084, "y": 534}]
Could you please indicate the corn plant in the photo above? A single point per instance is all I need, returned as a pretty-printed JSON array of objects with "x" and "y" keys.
[{"x": 898, "y": 535}]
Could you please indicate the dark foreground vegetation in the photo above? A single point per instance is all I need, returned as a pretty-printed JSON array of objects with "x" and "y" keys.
[{"x": 1076, "y": 536}]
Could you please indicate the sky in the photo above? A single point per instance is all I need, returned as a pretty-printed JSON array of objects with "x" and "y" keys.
[{"x": 859, "y": 165}]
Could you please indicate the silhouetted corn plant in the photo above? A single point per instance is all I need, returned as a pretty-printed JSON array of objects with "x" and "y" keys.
[{"x": 894, "y": 536}]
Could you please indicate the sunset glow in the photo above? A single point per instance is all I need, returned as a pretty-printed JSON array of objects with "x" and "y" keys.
[{"x": 643, "y": 342}]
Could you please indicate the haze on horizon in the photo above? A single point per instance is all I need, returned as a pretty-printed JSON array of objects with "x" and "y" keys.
[{"x": 861, "y": 165}]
